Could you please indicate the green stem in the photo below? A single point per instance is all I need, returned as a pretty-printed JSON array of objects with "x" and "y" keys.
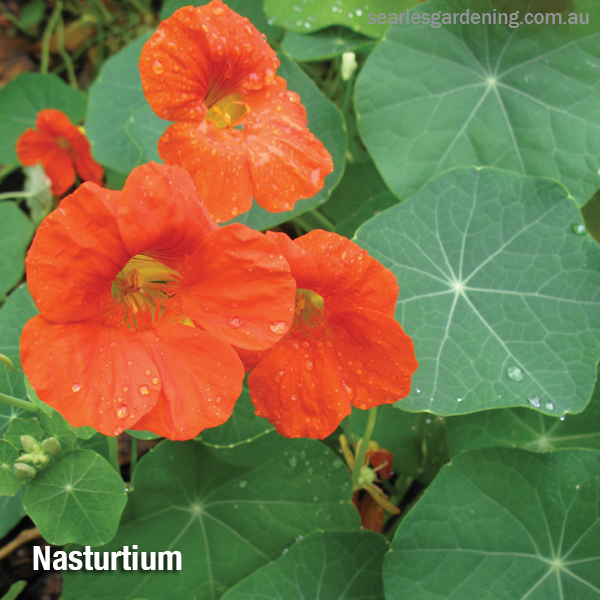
[
  {"x": 7, "y": 362},
  {"x": 348, "y": 96},
  {"x": 134, "y": 456},
  {"x": 45, "y": 60},
  {"x": 11, "y": 195},
  {"x": 60, "y": 40},
  {"x": 347, "y": 429},
  {"x": 364, "y": 444},
  {"x": 113, "y": 452},
  {"x": 325, "y": 222},
  {"x": 18, "y": 403}
]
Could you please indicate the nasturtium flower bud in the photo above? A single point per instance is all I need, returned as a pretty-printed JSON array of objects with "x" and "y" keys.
[
  {"x": 24, "y": 472},
  {"x": 28, "y": 442},
  {"x": 51, "y": 446},
  {"x": 349, "y": 65},
  {"x": 366, "y": 477},
  {"x": 41, "y": 459}
]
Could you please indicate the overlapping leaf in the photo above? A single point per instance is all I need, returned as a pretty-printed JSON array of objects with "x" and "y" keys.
[
  {"x": 324, "y": 44},
  {"x": 15, "y": 234},
  {"x": 226, "y": 520},
  {"x": 498, "y": 291},
  {"x": 524, "y": 99},
  {"x": 328, "y": 565},
  {"x": 502, "y": 523}
]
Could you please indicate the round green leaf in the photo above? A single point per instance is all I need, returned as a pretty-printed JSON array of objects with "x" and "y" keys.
[
  {"x": 327, "y": 43},
  {"x": 15, "y": 234},
  {"x": 22, "y": 426},
  {"x": 226, "y": 520},
  {"x": 525, "y": 428},
  {"x": 310, "y": 15},
  {"x": 242, "y": 427},
  {"x": 11, "y": 511},
  {"x": 56, "y": 426},
  {"x": 9, "y": 484},
  {"x": 253, "y": 9},
  {"x": 77, "y": 499},
  {"x": 17, "y": 310},
  {"x": 328, "y": 565},
  {"x": 503, "y": 524},
  {"x": 498, "y": 291},
  {"x": 22, "y": 98},
  {"x": 116, "y": 103},
  {"x": 524, "y": 99}
]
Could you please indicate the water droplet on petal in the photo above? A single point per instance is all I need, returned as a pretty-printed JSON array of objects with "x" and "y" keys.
[
  {"x": 515, "y": 373},
  {"x": 218, "y": 11},
  {"x": 75, "y": 387},
  {"x": 144, "y": 391},
  {"x": 278, "y": 327},
  {"x": 118, "y": 430},
  {"x": 235, "y": 322},
  {"x": 158, "y": 67},
  {"x": 309, "y": 365},
  {"x": 122, "y": 412},
  {"x": 147, "y": 372},
  {"x": 155, "y": 380},
  {"x": 279, "y": 376}
]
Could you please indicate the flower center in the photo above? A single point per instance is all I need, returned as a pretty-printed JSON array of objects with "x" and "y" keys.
[
  {"x": 308, "y": 313},
  {"x": 144, "y": 289},
  {"x": 229, "y": 111}
]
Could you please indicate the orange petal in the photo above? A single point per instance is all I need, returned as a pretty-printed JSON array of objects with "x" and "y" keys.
[
  {"x": 380, "y": 457},
  {"x": 200, "y": 55},
  {"x": 54, "y": 124},
  {"x": 92, "y": 374},
  {"x": 302, "y": 265},
  {"x": 299, "y": 388},
  {"x": 348, "y": 276},
  {"x": 376, "y": 357},
  {"x": 75, "y": 256},
  {"x": 288, "y": 163},
  {"x": 161, "y": 215},
  {"x": 32, "y": 147},
  {"x": 371, "y": 514},
  {"x": 236, "y": 287},
  {"x": 217, "y": 160},
  {"x": 201, "y": 380},
  {"x": 59, "y": 168}
]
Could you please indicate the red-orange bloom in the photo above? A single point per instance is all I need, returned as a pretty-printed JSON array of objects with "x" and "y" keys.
[
  {"x": 344, "y": 347},
  {"x": 141, "y": 296},
  {"x": 239, "y": 132},
  {"x": 61, "y": 148}
]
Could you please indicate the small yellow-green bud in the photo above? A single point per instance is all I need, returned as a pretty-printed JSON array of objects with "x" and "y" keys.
[
  {"x": 366, "y": 477},
  {"x": 51, "y": 446},
  {"x": 40, "y": 460},
  {"x": 27, "y": 458},
  {"x": 24, "y": 472},
  {"x": 28, "y": 442}
]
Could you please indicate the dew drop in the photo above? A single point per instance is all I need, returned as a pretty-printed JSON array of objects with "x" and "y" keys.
[
  {"x": 278, "y": 327},
  {"x": 122, "y": 412},
  {"x": 235, "y": 322},
  {"x": 147, "y": 372},
  {"x": 578, "y": 228},
  {"x": 293, "y": 462},
  {"x": 155, "y": 380},
  {"x": 218, "y": 11},
  {"x": 418, "y": 391},
  {"x": 158, "y": 67},
  {"x": 549, "y": 405},
  {"x": 125, "y": 388},
  {"x": 243, "y": 484},
  {"x": 118, "y": 430},
  {"x": 75, "y": 387},
  {"x": 515, "y": 373},
  {"x": 279, "y": 376},
  {"x": 534, "y": 401},
  {"x": 144, "y": 391},
  {"x": 459, "y": 399},
  {"x": 309, "y": 365}
]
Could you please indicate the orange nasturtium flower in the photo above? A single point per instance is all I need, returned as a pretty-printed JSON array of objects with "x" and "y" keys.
[
  {"x": 141, "y": 298},
  {"x": 239, "y": 132},
  {"x": 344, "y": 347},
  {"x": 61, "y": 148}
]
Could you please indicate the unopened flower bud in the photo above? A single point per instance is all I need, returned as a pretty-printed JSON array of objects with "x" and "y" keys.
[
  {"x": 348, "y": 65},
  {"x": 51, "y": 446},
  {"x": 366, "y": 477},
  {"x": 24, "y": 472},
  {"x": 28, "y": 442},
  {"x": 40, "y": 460},
  {"x": 27, "y": 458}
]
